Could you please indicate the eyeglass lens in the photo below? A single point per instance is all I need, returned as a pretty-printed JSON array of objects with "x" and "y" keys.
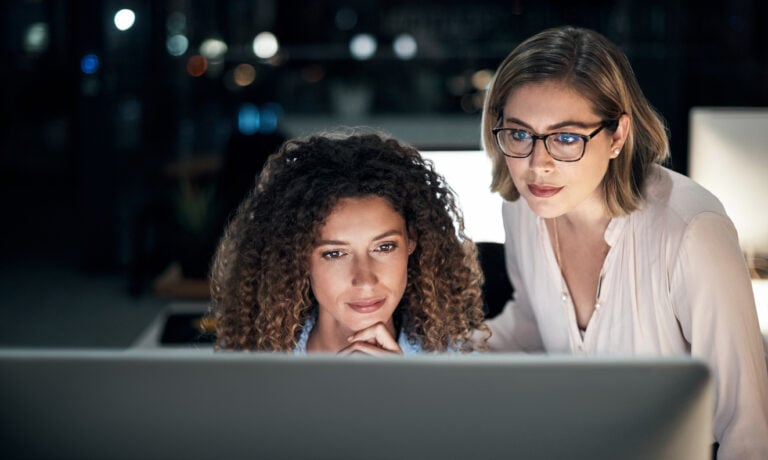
[{"x": 520, "y": 143}]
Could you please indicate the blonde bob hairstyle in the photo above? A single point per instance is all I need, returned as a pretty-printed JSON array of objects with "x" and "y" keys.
[{"x": 594, "y": 67}]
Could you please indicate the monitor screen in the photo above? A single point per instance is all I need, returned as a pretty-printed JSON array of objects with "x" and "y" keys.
[{"x": 468, "y": 172}]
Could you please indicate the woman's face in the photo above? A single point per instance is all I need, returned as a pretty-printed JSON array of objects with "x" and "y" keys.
[
  {"x": 359, "y": 265},
  {"x": 552, "y": 187}
]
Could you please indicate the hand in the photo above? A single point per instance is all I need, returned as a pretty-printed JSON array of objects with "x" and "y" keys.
[{"x": 375, "y": 340}]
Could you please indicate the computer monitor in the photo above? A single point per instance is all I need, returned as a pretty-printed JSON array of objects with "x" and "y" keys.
[
  {"x": 728, "y": 155},
  {"x": 468, "y": 172},
  {"x": 102, "y": 404}
]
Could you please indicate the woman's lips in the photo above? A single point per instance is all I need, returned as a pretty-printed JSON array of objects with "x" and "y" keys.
[
  {"x": 543, "y": 191},
  {"x": 367, "y": 305}
]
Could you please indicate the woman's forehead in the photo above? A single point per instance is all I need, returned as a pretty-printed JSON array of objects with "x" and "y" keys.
[{"x": 547, "y": 103}]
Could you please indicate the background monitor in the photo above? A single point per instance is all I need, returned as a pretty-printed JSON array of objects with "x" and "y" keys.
[{"x": 728, "y": 155}]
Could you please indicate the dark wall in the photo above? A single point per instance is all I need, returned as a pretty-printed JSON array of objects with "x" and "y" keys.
[{"x": 93, "y": 168}]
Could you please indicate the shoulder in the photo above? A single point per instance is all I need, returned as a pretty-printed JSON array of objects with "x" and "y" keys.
[
  {"x": 411, "y": 345},
  {"x": 517, "y": 216},
  {"x": 678, "y": 213},
  {"x": 301, "y": 343},
  {"x": 519, "y": 206},
  {"x": 671, "y": 198}
]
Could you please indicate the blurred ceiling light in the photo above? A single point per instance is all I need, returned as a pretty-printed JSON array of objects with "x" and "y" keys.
[
  {"x": 197, "y": 65},
  {"x": 244, "y": 74},
  {"x": 270, "y": 117},
  {"x": 346, "y": 19},
  {"x": 363, "y": 46},
  {"x": 213, "y": 49},
  {"x": 265, "y": 45},
  {"x": 89, "y": 64},
  {"x": 177, "y": 45},
  {"x": 36, "y": 39},
  {"x": 124, "y": 19},
  {"x": 405, "y": 46},
  {"x": 248, "y": 119},
  {"x": 481, "y": 79}
]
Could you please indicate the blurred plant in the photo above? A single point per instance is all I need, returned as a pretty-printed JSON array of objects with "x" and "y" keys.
[
  {"x": 194, "y": 209},
  {"x": 196, "y": 215}
]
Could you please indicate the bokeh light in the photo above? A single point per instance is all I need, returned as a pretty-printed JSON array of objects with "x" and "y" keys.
[
  {"x": 251, "y": 119},
  {"x": 197, "y": 65},
  {"x": 405, "y": 46},
  {"x": 89, "y": 64},
  {"x": 248, "y": 119},
  {"x": 270, "y": 117},
  {"x": 37, "y": 37},
  {"x": 363, "y": 46},
  {"x": 213, "y": 49},
  {"x": 177, "y": 45},
  {"x": 481, "y": 79},
  {"x": 124, "y": 19},
  {"x": 244, "y": 74},
  {"x": 265, "y": 45}
]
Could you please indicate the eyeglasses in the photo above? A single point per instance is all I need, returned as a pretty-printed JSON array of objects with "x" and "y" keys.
[{"x": 568, "y": 147}]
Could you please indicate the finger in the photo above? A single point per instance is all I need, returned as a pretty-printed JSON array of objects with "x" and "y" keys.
[
  {"x": 365, "y": 348},
  {"x": 378, "y": 334}
]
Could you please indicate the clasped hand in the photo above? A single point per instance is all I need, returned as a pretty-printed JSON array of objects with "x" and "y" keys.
[{"x": 375, "y": 340}]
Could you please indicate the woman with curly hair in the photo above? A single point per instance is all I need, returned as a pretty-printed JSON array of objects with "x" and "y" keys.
[{"x": 351, "y": 244}]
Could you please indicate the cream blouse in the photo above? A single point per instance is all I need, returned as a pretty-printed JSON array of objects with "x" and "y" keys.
[{"x": 674, "y": 282}]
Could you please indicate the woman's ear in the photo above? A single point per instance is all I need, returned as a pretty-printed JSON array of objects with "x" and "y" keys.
[
  {"x": 411, "y": 243},
  {"x": 619, "y": 137}
]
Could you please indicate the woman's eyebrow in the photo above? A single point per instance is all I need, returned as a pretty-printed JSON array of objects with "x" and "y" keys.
[
  {"x": 393, "y": 232},
  {"x": 331, "y": 243},
  {"x": 562, "y": 124}
]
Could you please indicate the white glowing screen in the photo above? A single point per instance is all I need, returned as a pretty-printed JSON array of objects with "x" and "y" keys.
[
  {"x": 469, "y": 175},
  {"x": 728, "y": 155}
]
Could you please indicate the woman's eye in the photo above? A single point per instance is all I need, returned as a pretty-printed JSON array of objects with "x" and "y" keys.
[
  {"x": 519, "y": 135},
  {"x": 386, "y": 247},
  {"x": 332, "y": 254},
  {"x": 566, "y": 138}
]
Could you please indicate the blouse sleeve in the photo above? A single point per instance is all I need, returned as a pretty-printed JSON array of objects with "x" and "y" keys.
[{"x": 714, "y": 302}]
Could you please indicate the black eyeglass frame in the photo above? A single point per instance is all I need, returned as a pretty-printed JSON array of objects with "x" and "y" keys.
[{"x": 543, "y": 137}]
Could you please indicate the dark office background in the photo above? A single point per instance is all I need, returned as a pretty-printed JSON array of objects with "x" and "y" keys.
[{"x": 116, "y": 147}]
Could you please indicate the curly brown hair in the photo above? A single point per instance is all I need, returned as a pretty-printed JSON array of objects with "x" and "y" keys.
[{"x": 260, "y": 288}]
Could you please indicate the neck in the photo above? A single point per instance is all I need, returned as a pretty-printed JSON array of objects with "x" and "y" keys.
[
  {"x": 588, "y": 230},
  {"x": 584, "y": 222},
  {"x": 589, "y": 217}
]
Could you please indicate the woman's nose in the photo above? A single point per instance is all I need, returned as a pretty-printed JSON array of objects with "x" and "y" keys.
[
  {"x": 540, "y": 157},
  {"x": 363, "y": 272}
]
